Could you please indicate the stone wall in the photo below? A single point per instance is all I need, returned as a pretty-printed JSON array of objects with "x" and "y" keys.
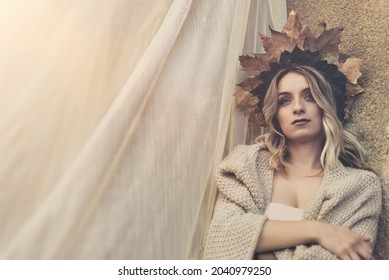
[{"x": 365, "y": 35}]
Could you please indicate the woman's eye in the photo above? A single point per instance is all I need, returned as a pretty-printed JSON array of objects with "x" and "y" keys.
[
  {"x": 309, "y": 97},
  {"x": 283, "y": 101}
]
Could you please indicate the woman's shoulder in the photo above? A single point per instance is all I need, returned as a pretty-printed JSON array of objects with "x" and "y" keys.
[
  {"x": 363, "y": 175},
  {"x": 244, "y": 174},
  {"x": 352, "y": 179},
  {"x": 244, "y": 161},
  {"x": 252, "y": 148}
]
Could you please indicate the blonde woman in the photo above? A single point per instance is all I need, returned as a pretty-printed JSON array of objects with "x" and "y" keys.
[{"x": 304, "y": 190}]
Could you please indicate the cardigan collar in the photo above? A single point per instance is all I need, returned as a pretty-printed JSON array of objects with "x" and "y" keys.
[
  {"x": 249, "y": 164},
  {"x": 331, "y": 174}
]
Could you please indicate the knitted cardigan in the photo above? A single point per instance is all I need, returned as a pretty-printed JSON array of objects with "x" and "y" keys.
[{"x": 348, "y": 197}]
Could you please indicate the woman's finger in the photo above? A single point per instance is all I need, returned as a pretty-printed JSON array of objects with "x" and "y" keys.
[
  {"x": 344, "y": 256},
  {"x": 365, "y": 238},
  {"x": 354, "y": 256},
  {"x": 365, "y": 251}
]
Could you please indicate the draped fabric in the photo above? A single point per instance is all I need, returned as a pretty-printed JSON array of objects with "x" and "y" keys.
[{"x": 114, "y": 115}]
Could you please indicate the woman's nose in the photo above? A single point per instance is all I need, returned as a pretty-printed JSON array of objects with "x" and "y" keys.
[{"x": 298, "y": 107}]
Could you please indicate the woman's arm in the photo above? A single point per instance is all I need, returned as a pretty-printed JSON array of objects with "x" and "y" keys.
[
  {"x": 279, "y": 235},
  {"x": 342, "y": 242},
  {"x": 233, "y": 232},
  {"x": 348, "y": 223}
]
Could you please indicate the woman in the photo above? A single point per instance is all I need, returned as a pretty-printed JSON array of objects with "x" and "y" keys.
[{"x": 304, "y": 190}]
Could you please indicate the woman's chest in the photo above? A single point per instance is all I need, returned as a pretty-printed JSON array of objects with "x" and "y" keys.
[{"x": 294, "y": 191}]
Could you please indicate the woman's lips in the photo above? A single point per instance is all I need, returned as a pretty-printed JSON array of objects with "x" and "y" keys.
[{"x": 300, "y": 121}]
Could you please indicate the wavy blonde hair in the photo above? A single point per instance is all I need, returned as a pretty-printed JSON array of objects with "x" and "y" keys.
[{"x": 338, "y": 143}]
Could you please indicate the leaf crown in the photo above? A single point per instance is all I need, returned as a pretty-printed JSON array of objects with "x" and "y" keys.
[{"x": 298, "y": 45}]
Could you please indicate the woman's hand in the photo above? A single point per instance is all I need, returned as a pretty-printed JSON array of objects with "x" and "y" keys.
[
  {"x": 340, "y": 241},
  {"x": 344, "y": 243},
  {"x": 265, "y": 256}
]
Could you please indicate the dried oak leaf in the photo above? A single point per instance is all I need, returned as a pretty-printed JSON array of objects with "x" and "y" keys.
[
  {"x": 250, "y": 83},
  {"x": 351, "y": 68},
  {"x": 253, "y": 65}
]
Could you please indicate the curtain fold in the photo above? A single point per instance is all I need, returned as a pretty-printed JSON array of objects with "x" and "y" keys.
[{"x": 114, "y": 116}]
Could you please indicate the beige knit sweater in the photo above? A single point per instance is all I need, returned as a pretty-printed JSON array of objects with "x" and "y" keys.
[{"x": 349, "y": 197}]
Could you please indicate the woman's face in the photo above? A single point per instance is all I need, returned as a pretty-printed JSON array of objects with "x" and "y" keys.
[{"x": 298, "y": 115}]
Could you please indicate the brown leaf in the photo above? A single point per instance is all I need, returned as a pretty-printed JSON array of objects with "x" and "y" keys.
[
  {"x": 293, "y": 34},
  {"x": 351, "y": 69},
  {"x": 255, "y": 115},
  {"x": 293, "y": 25},
  {"x": 276, "y": 44},
  {"x": 328, "y": 41},
  {"x": 266, "y": 59},
  {"x": 243, "y": 98},
  {"x": 250, "y": 83},
  {"x": 347, "y": 109},
  {"x": 332, "y": 57},
  {"x": 343, "y": 57},
  {"x": 254, "y": 112},
  {"x": 295, "y": 29},
  {"x": 320, "y": 40},
  {"x": 299, "y": 42},
  {"x": 319, "y": 29},
  {"x": 253, "y": 65},
  {"x": 310, "y": 43},
  {"x": 249, "y": 103},
  {"x": 352, "y": 90}
]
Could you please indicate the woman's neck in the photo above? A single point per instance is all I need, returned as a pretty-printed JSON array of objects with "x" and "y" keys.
[{"x": 304, "y": 157}]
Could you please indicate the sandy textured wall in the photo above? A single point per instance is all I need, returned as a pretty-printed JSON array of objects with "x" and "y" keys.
[{"x": 365, "y": 35}]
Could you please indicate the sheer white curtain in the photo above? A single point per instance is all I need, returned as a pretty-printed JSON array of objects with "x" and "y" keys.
[{"x": 113, "y": 117}]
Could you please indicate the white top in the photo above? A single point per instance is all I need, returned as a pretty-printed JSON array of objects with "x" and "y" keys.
[{"x": 282, "y": 212}]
